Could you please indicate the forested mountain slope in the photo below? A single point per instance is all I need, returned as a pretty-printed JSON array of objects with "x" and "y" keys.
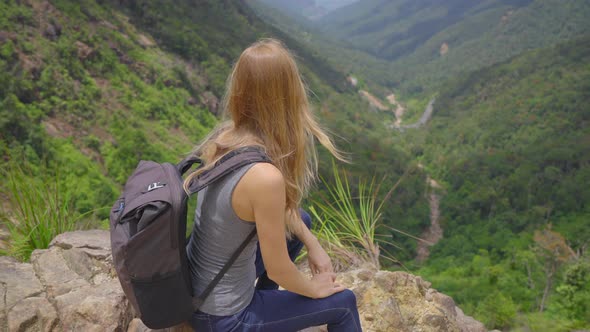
[
  {"x": 87, "y": 89},
  {"x": 431, "y": 41},
  {"x": 215, "y": 32},
  {"x": 511, "y": 143},
  {"x": 391, "y": 29},
  {"x": 372, "y": 70}
]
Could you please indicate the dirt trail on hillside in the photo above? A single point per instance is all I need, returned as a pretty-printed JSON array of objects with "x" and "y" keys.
[
  {"x": 426, "y": 116},
  {"x": 434, "y": 232},
  {"x": 399, "y": 109},
  {"x": 373, "y": 101}
]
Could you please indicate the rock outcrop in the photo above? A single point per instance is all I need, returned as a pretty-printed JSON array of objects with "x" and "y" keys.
[
  {"x": 72, "y": 287},
  {"x": 69, "y": 287},
  {"x": 399, "y": 301}
]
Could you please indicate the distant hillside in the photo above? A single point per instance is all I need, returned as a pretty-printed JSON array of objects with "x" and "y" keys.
[
  {"x": 209, "y": 30},
  {"x": 391, "y": 29},
  {"x": 340, "y": 55},
  {"x": 431, "y": 41},
  {"x": 516, "y": 137}
]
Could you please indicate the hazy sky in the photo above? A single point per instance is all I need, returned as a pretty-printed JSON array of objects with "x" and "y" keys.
[
  {"x": 333, "y": 4},
  {"x": 307, "y": 7}
]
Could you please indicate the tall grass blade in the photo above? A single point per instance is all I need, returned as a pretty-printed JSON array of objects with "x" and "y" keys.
[
  {"x": 39, "y": 209},
  {"x": 347, "y": 223}
]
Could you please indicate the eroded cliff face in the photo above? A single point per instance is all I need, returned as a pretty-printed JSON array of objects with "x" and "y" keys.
[{"x": 72, "y": 286}]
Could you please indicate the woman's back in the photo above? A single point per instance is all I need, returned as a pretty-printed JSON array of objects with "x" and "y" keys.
[
  {"x": 217, "y": 232},
  {"x": 267, "y": 106}
]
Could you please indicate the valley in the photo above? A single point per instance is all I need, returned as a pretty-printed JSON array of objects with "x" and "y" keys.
[{"x": 491, "y": 144}]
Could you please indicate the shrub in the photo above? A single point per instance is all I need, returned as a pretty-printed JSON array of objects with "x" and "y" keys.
[
  {"x": 496, "y": 311},
  {"x": 347, "y": 224},
  {"x": 40, "y": 210}
]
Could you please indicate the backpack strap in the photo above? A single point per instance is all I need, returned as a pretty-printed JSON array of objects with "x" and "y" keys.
[
  {"x": 227, "y": 164},
  {"x": 198, "y": 301},
  {"x": 187, "y": 163}
]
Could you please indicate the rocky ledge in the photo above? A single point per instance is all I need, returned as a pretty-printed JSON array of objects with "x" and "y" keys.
[{"x": 72, "y": 286}]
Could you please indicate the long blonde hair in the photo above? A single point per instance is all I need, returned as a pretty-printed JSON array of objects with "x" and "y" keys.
[{"x": 267, "y": 106}]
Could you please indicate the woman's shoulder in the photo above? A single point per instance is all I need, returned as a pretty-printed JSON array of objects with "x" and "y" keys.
[
  {"x": 263, "y": 176},
  {"x": 262, "y": 184}
]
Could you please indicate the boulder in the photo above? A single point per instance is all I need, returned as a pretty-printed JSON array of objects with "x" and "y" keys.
[
  {"x": 72, "y": 286},
  {"x": 210, "y": 101},
  {"x": 18, "y": 282},
  {"x": 84, "y": 51},
  {"x": 33, "y": 313},
  {"x": 69, "y": 287},
  {"x": 52, "y": 31},
  {"x": 399, "y": 301}
]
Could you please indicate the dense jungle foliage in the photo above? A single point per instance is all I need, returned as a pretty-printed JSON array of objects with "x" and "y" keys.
[{"x": 511, "y": 144}]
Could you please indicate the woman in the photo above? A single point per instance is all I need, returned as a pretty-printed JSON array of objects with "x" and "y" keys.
[{"x": 267, "y": 103}]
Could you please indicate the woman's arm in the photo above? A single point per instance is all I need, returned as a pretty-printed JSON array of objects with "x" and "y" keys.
[
  {"x": 318, "y": 259},
  {"x": 265, "y": 186},
  {"x": 306, "y": 236}
]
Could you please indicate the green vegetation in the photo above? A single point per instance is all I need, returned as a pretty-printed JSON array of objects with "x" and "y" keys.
[
  {"x": 41, "y": 209},
  {"x": 348, "y": 223},
  {"x": 509, "y": 145},
  {"x": 512, "y": 144},
  {"x": 85, "y": 91},
  {"x": 393, "y": 29},
  {"x": 488, "y": 37},
  {"x": 90, "y": 99},
  {"x": 478, "y": 34}
]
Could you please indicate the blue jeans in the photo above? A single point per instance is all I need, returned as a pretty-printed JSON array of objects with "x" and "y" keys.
[{"x": 283, "y": 311}]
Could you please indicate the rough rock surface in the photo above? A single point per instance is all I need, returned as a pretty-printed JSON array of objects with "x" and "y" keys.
[
  {"x": 72, "y": 287},
  {"x": 399, "y": 301},
  {"x": 69, "y": 287},
  {"x": 210, "y": 101}
]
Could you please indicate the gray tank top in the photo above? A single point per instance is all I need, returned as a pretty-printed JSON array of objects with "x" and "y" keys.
[{"x": 217, "y": 233}]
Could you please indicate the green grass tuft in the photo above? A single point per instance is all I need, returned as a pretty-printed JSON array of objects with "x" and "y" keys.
[
  {"x": 347, "y": 221},
  {"x": 38, "y": 209}
]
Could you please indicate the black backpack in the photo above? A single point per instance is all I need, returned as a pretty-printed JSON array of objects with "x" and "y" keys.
[{"x": 148, "y": 237}]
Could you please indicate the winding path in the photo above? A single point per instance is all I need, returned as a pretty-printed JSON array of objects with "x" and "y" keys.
[
  {"x": 431, "y": 235},
  {"x": 422, "y": 121}
]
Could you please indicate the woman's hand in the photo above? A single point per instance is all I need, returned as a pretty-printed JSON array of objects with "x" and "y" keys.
[
  {"x": 324, "y": 285},
  {"x": 318, "y": 260}
]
